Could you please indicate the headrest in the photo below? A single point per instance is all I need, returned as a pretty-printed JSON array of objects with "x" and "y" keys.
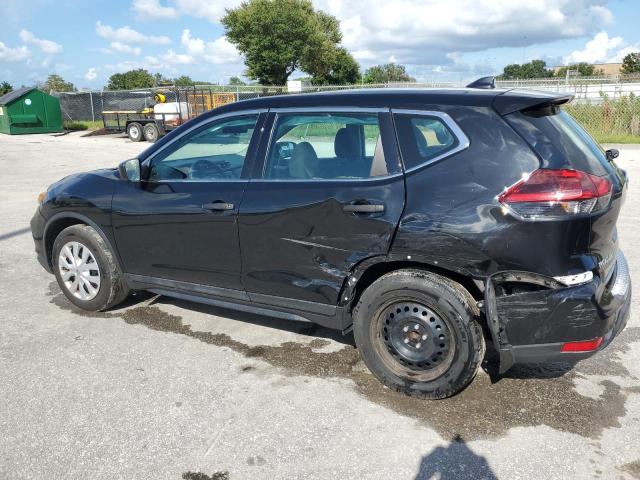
[
  {"x": 346, "y": 144},
  {"x": 303, "y": 162}
]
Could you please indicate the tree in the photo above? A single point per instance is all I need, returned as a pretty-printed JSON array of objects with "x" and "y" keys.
[
  {"x": 183, "y": 81},
  {"x": 139, "y": 78},
  {"x": 584, "y": 69},
  {"x": 236, "y": 81},
  {"x": 57, "y": 84},
  {"x": 342, "y": 69},
  {"x": 5, "y": 87},
  {"x": 389, "y": 72},
  {"x": 277, "y": 37},
  {"x": 631, "y": 63},
  {"x": 533, "y": 69}
]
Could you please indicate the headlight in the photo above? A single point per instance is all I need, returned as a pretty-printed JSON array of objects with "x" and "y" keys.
[{"x": 41, "y": 196}]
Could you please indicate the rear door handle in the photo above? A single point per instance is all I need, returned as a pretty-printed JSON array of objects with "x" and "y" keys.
[
  {"x": 364, "y": 208},
  {"x": 218, "y": 206}
]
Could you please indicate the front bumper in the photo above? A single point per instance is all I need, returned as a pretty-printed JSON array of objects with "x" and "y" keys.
[
  {"x": 532, "y": 327},
  {"x": 38, "y": 223}
]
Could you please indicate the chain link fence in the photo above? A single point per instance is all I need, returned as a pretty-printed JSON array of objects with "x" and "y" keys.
[{"x": 609, "y": 107}]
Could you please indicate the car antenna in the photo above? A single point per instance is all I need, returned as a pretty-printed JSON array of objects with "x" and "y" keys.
[{"x": 484, "y": 82}]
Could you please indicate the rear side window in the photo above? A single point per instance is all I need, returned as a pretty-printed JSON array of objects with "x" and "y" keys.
[
  {"x": 422, "y": 138},
  {"x": 325, "y": 146},
  {"x": 560, "y": 141}
]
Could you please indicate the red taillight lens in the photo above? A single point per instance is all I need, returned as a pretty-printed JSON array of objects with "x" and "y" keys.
[
  {"x": 549, "y": 194},
  {"x": 587, "y": 346}
]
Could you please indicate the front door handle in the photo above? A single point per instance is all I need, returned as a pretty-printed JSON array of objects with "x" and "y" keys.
[
  {"x": 363, "y": 208},
  {"x": 218, "y": 206}
]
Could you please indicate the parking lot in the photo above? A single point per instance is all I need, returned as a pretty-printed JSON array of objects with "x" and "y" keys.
[{"x": 165, "y": 389}]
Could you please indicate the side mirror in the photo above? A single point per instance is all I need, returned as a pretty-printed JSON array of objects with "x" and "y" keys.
[
  {"x": 612, "y": 154},
  {"x": 130, "y": 170}
]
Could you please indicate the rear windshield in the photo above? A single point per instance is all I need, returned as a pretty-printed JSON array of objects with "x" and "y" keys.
[{"x": 560, "y": 141}]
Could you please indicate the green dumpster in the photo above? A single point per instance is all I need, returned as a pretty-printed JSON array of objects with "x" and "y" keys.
[{"x": 29, "y": 110}]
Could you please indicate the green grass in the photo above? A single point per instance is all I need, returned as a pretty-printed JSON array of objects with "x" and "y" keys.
[
  {"x": 82, "y": 125},
  {"x": 612, "y": 120},
  {"x": 612, "y": 138}
]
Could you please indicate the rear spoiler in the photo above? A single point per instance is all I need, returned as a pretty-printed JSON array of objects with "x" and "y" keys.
[{"x": 518, "y": 100}]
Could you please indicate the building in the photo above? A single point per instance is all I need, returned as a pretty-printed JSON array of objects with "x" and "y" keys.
[{"x": 606, "y": 68}]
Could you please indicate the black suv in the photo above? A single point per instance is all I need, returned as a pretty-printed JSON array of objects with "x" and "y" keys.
[{"x": 427, "y": 221}]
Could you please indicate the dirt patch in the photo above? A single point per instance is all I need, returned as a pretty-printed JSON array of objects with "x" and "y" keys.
[
  {"x": 632, "y": 468},
  {"x": 526, "y": 396},
  {"x": 204, "y": 476}
]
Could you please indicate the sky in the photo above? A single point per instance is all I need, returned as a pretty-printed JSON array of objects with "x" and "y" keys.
[{"x": 86, "y": 41}]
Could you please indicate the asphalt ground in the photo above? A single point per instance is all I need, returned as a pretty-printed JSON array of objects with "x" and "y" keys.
[{"x": 164, "y": 389}]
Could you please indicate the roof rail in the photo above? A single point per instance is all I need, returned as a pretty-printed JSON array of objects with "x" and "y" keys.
[{"x": 484, "y": 82}]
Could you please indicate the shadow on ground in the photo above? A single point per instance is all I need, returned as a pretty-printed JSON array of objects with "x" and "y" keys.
[
  {"x": 456, "y": 461},
  {"x": 525, "y": 396}
]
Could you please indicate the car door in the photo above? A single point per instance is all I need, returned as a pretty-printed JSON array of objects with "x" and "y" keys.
[
  {"x": 329, "y": 193},
  {"x": 180, "y": 223}
]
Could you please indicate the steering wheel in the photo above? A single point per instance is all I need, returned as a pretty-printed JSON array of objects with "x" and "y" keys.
[{"x": 209, "y": 169}]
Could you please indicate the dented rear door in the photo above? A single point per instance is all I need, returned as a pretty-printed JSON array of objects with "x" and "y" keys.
[{"x": 300, "y": 237}]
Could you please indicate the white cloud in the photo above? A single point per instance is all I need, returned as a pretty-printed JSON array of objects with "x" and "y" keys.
[
  {"x": 602, "y": 49},
  {"x": 129, "y": 36},
  {"x": 91, "y": 74},
  {"x": 598, "y": 49},
  {"x": 212, "y": 11},
  {"x": 178, "y": 58},
  {"x": 221, "y": 51},
  {"x": 195, "y": 46},
  {"x": 124, "y": 48},
  {"x": 216, "y": 52},
  {"x": 419, "y": 32},
  {"x": 13, "y": 54},
  {"x": 149, "y": 63},
  {"x": 422, "y": 32},
  {"x": 47, "y": 46},
  {"x": 623, "y": 52},
  {"x": 152, "y": 10}
]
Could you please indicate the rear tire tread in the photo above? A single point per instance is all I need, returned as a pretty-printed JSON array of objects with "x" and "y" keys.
[{"x": 433, "y": 282}]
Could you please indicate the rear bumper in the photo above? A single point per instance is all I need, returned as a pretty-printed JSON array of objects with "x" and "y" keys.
[{"x": 532, "y": 327}]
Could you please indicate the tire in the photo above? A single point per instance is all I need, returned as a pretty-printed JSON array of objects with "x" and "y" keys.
[
  {"x": 418, "y": 333},
  {"x": 151, "y": 132},
  {"x": 94, "y": 261},
  {"x": 134, "y": 131}
]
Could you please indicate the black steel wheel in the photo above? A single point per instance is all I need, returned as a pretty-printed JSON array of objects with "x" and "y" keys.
[
  {"x": 419, "y": 333},
  {"x": 414, "y": 340}
]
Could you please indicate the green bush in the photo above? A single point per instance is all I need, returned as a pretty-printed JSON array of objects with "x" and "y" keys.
[
  {"x": 611, "y": 121},
  {"x": 75, "y": 126},
  {"x": 81, "y": 125}
]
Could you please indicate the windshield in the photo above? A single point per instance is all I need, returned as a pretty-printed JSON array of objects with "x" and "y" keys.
[{"x": 560, "y": 141}]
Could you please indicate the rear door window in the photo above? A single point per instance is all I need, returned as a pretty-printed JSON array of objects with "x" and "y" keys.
[
  {"x": 560, "y": 141},
  {"x": 325, "y": 146},
  {"x": 423, "y": 138}
]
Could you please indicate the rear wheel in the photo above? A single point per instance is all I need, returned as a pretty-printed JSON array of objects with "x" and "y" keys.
[
  {"x": 134, "y": 131},
  {"x": 418, "y": 333},
  {"x": 151, "y": 132},
  {"x": 86, "y": 270}
]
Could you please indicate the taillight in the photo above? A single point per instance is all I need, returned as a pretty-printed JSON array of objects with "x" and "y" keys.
[
  {"x": 548, "y": 194},
  {"x": 586, "y": 346}
]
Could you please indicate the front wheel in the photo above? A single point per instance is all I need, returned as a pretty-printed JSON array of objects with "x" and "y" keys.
[
  {"x": 86, "y": 269},
  {"x": 418, "y": 333}
]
